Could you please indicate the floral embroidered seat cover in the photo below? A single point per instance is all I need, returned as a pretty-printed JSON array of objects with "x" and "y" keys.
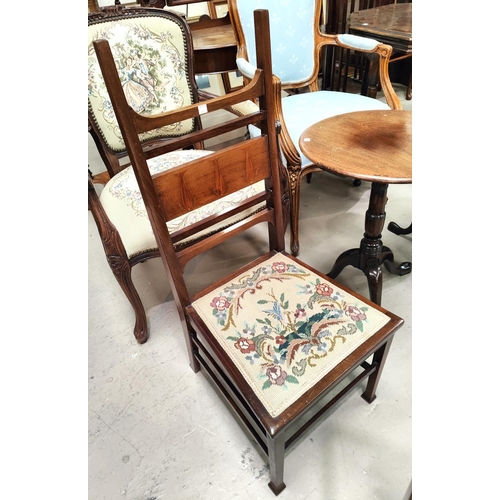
[{"x": 294, "y": 330}]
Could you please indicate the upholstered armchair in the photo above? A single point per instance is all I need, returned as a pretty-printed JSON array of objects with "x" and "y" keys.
[
  {"x": 296, "y": 42},
  {"x": 153, "y": 53}
]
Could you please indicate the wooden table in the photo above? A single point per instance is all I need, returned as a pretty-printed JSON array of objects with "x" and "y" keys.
[
  {"x": 391, "y": 24},
  {"x": 371, "y": 146}
]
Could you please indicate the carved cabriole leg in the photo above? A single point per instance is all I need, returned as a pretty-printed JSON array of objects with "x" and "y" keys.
[
  {"x": 118, "y": 262},
  {"x": 294, "y": 176},
  {"x": 123, "y": 273},
  {"x": 285, "y": 195},
  {"x": 276, "y": 452}
]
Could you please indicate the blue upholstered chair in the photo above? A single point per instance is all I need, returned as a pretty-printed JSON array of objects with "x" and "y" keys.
[
  {"x": 154, "y": 57},
  {"x": 296, "y": 50}
]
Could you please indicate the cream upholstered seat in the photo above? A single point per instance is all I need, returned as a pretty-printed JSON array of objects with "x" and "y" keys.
[
  {"x": 153, "y": 53},
  {"x": 296, "y": 43},
  {"x": 123, "y": 203}
]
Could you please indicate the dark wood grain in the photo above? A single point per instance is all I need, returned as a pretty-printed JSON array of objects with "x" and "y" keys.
[
  {"x": 391, "y": 24},
  {"x": 372, "y": 146},
  {"x": 214, "y": 45}
]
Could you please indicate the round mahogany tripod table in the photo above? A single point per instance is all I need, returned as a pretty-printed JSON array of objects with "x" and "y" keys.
[{"x": 371, "y": 146}]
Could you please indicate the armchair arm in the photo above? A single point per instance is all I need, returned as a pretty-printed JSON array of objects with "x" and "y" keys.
[
  {"x": 245, "y": 68},
  {"x": 348, "y": 41},
  {"x": 371, "y": 48},
  {"x": 248, "y": 72},
  {"x": 357, "y": 42}
]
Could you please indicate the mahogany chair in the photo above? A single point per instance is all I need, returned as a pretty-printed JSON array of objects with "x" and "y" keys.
[
  {"x": 276, "y": 337},
  {"x": 153, "y": 51},
  {"x": 297, "y": 44}
]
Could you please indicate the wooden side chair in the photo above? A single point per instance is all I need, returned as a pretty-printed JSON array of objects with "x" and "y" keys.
[
  {"x": 276, "y": 337},
  {"x": 296, "y": 47},
  {"x": 153, "y": 54}
]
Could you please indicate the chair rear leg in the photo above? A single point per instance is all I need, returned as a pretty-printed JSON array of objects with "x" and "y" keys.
[{"x": 379, "y": 357}]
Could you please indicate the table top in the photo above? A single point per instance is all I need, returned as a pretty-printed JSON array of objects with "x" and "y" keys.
[
  {"x": 390, "y": 24},
  {"x": 372, "y": 146}
]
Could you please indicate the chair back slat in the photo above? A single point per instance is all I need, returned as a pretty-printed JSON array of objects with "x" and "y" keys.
[{"x": 184, "y": 188}]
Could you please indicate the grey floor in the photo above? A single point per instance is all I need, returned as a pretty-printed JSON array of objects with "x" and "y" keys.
[{"x": 156, "y": 430}]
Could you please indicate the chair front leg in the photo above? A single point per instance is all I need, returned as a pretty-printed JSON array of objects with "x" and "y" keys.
[
  {"x": 295, "y": 178},
  {"x": 122, "y": 270},
  {"x": 276, "y": 453},
  {"x": 118, "y": 262}
]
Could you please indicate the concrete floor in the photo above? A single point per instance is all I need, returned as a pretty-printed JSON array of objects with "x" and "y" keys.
[{"x": 156, "y": 430}]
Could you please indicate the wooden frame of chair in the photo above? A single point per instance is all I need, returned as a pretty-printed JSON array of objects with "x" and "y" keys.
[
  {"x": 293, "y": 160},
  {"x": 170, "y": 193}
]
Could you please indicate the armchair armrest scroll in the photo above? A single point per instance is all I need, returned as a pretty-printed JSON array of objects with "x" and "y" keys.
[{"x": 245, "y": 68}]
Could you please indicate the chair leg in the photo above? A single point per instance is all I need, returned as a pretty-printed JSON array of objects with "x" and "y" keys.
[
  {"x": 123, "y": 273},
  {"x": 191, "y": 346},
  {"x": 118, "y": 261},
  {"x": 295, "y": 179},
  {"x": 409, "y": 90},
  {"x": 379, "y": 357},
  {"x": 276, "y": 452}
]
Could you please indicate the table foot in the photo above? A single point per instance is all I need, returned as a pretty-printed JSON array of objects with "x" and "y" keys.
[
  {"x": 387, "y": 258},
  {"x": 373, "y": 273},
  {"x": 397, "y": 229},
  {"x": 371, "y": 266},
  {"x": 347, "y": 258}
]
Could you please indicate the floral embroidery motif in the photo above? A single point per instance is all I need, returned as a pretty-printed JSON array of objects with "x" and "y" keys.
[
  {"x": 285, "y": 327},
  {"x": 286, "y": 339}
]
